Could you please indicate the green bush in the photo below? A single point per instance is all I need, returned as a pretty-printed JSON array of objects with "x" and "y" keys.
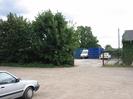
[
  {"x": 127, "y": 53},
  {"x": 47, "y": 40}
]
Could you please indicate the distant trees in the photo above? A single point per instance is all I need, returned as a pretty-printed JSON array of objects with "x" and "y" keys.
[
  {"x": 86, "y": 38},
  {"x": 108, "y": 48},
  {"x": 115, "y": 52}
]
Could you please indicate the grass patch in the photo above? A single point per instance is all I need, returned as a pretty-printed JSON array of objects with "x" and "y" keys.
[
  {"x": 117, "y": 65},
  {"x": 40, "y": 65}
]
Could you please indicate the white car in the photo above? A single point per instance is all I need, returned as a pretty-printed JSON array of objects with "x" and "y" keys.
[
  {"x": 105, "y": 55},
  {"x": 12, "y": 87},
  {"x": 84, "y": 54}
]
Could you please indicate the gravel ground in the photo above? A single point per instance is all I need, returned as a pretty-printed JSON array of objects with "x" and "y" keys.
[{"x": 87, "y": 80}]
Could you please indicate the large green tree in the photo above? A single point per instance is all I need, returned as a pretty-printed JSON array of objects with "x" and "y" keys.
[
  {"x": 53, "y": 38},
  {"x": 14, "y": 38},
  {"x": 86, "y": 38}
]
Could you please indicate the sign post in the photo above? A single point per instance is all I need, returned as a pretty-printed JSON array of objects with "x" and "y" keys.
[{"x": 103, "y": 59}]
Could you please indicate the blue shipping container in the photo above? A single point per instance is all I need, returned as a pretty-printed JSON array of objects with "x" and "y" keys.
[
  {"x": 94, "y": 53},
  {"x": 77, "y": 53}
]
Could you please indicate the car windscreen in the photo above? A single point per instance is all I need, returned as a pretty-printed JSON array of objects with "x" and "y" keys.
[
  {"x": 6, "y": 78},
  {"x": 84, "y": 52}
]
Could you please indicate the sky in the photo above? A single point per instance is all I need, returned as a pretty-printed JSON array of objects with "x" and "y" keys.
[{"x": 103, "y": 16}]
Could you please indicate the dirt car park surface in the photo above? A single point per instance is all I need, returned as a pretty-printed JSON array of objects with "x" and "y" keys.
[{"x": 87, "y": 80}]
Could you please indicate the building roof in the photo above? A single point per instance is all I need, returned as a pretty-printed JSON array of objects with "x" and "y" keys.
[{"x": 128, "y": 35}]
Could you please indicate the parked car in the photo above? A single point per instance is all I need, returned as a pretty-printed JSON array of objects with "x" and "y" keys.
[
  {"x": 105, "y": 55},
  {"x": 84, "y": 54},
  {"x": 12, "y": 87}
]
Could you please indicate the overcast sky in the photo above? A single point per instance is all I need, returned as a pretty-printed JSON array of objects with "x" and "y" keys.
[{"x": 103, "y": 16}]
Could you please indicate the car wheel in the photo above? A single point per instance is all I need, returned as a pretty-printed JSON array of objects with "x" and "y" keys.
[{"x": 28, "y": 94}]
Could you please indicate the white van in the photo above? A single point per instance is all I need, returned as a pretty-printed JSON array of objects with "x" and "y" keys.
[{"x": 84, "y": 54}]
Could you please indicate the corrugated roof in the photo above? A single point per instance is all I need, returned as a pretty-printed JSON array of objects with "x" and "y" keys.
[{"x": 128, "y": 35}]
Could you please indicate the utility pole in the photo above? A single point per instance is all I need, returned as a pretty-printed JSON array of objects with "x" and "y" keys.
[
  {"x": 118, "y": 38},
  {"x": 118, "y": 45}
]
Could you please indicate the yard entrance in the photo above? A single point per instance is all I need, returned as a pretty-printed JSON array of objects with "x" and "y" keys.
[{"x": 88, "y": 62}]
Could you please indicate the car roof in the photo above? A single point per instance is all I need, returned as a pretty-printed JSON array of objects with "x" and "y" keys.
[
  {"x": 3, "y": 72},
  {"x": 7, "y": 72}
]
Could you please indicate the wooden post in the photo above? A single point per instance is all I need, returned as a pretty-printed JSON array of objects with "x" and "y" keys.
[{"x": 103, "y": 59}]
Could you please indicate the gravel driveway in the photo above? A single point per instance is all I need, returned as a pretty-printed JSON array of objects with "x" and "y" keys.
[{"x": 87, "y": 80}]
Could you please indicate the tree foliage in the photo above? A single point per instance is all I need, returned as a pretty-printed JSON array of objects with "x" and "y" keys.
[
  {"x": 127, "y": 53},
  {"x": 108, "y": 48},
  {"x": 115, "y": 52},
  {"x": 14, "y": 38},
  {"x": 48, "y": 39},
  {"x": 54, "y": 39},
  {"x": 86, "y": 38}
]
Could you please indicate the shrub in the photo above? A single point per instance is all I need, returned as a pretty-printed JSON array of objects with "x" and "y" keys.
[{"x": 127, "y": 53}]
